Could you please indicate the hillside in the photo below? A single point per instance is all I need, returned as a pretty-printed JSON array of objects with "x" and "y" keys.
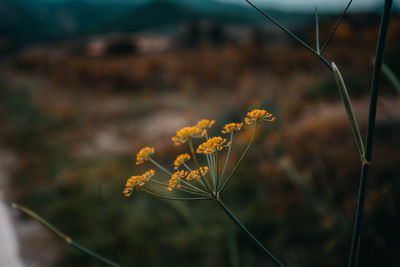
[{"x": 24, "y": 21}]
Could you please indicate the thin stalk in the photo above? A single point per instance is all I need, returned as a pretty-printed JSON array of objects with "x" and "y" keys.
[
  {"x": 187, "y": 167},
  {"x": 290, "y": 34},
  {"x": 226, "y": 162},
  {"x": 200, "y": 181},
  {"x": 173, "y": 198},
  {"x": 249, "y": 234},
  {"x": 63, "y": 236},
  {"x": 210, "y": 163},
  {"x": 170, "y": 173},
  {"x": 240, "y": 160},
  {"x": 350, "y": 113},
  {"x": 370, "y": 131},
  {"x": 184, "y": 189},
  {"x": 317, "y": 30},
  {"x": 215, "y": 157},
  {"x": 195, "y": 187},
  {"x": 160, "y": 167},
  {"x": 336, "y": 26},
  {"x": 205, "y": 182}
]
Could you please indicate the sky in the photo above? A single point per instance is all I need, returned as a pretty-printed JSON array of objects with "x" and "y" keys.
[
  {"x": 284, "y": 5},
  {"x": 323, "y": 5}
]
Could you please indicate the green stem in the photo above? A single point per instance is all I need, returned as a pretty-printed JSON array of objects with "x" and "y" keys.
[
  {"x": 215, "y": 157},
  {"x": 350, "y": 113},
  {"x": 335, "y": 28},
  {"x": 317, "y": 31},
  {"x": 204, "y": 193},
  {"x": 170, "y": 173},
  {"x": 290, "y": 34},
  {"x": 216, "y": 171},
  {"x": 249, "y": 234},
  {"x": 173, "y": 198},
  {"x": 66, "y": 238},
  {"x": 187, "y": 167},
  {"x": 200, "y": 181},
  {"x": 240, "y": 160},
  {"x": 370, "y": 132},
  {"x": 160, "y": 167},
  {"x": 184, "y": 188},
  {"x": 205, "y": 182},
  {"x": 211, "y": 165},
  {"x": 226, "y": 162}
]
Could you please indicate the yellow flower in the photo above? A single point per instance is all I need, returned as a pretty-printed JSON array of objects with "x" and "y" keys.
[
  {"x": 185, "y": 133},
  {"x": 257, "y": 115},
  {"x": 232, "y": 127},
  {"x": 147, "y": 175},
  {"x": 180, "y": 160},
  {"x": 137, "y": 181},
  {"x": 175, "y": 181},
  {"x": 211, "y": 145},
  {"x": 202, "y": 124},
  {"x": 144, "y": 154},
  {"x": 195, "y": 174}
]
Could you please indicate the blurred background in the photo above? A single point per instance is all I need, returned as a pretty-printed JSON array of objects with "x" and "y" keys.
[{"x": 85, "y": 84}]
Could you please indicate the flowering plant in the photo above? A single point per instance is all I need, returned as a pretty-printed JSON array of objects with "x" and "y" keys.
[
  {"x": 200, "y": 182},
  {"x": 206, "y": 181}
]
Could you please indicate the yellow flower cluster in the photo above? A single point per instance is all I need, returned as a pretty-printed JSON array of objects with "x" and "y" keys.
[
  {"x": 196, "y": 175},
  {"x": 175, "y": 181},
  {"x": 202, "y": 124},
  {"x": 232, "y": 127},
  {"x": 258, "y": 114},
  {"x": 211, "y": 145},
  {"x": 137, "y": 181},
  {"x": 144, "y": 154},
  {"x": 180, "y": 160},
  {"x": 185, "y": 133}
]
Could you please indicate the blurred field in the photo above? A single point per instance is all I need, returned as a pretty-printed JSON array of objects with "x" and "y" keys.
[{"x": 74, "y": 114}]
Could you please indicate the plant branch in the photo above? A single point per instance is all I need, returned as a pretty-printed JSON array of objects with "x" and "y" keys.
[
  {"x": 240, "y": 160},
  {"x": 205, "y": 182},
  {"x": 350, "y": 113},
  {"x": 291, "y": 34},
  {"x": 335, "y": 28},
  {"x": 317, "y": 31},
  {"x": 170, "y": 173},
  {"x": 63, "y": 236},
  {"x": 160, "y": 167},
  {"x": 173, "y": 198},
  {"x": 370, "y": 131},
  {"x": 215, "y": 160},
  {"x": 226, "y": 162},
  {"x": 183, "y": 188}
]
